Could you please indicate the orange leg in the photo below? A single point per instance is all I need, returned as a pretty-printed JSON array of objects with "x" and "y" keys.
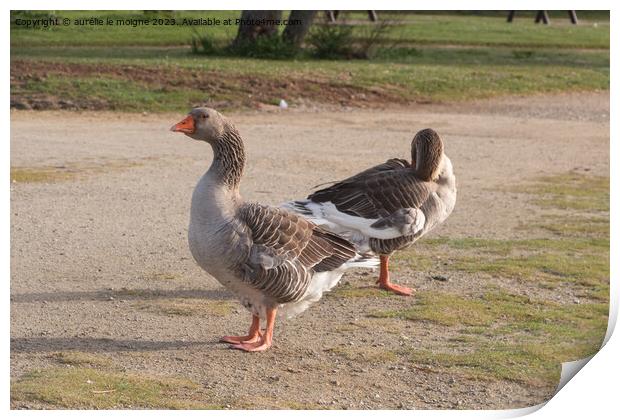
[
  {"x": 265, "y": 339},
  {"x": 252, "y": 337},
  {"x": 384, "y": 279}
]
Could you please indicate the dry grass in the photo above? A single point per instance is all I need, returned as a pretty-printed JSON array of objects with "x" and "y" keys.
[
  {"x": 88, "y": 388},
  {"x": 51, "y": 174}
]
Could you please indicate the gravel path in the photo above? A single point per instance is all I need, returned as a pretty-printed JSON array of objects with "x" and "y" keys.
[{"x": 95, "y": 253}]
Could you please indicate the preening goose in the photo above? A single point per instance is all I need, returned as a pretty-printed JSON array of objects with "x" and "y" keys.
[
  {"x": 272, "y": 259},
  {"x": 388, "y": 207}
]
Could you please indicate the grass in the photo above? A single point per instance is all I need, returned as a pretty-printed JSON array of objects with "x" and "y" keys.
[
  {"x": 573, "y": 226},
  {"x": 578, "y": 253},
  {"x": 88, "y": 388},
  {"x": 116, "y": 35},
  {"x": 495, "y": 31},
  {"x": 70, "y": 171},
  {"x": 408, "y": 28},
  {"x": 572, "y": 191},
  {"x": 507, "y": 336},
  {"x": 114, "y": 94},
  {"x": 81, "y": 359},
  {"x": 424, "y": 58},
  {"x": 516, "y": 338},
  {"x": 40, "y": 174},
  {"x": 582, "y": 261},
  {"x": 545, "y": 262},
  {"x": 497, "y": 307},
  {"x": 451, "y": 75}
]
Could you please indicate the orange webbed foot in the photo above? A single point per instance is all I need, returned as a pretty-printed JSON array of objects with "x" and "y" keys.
[
  {"x": 260, "y": 345},
  {"x": 396, "y": 288},
  {"x": 239, "y": 339}
]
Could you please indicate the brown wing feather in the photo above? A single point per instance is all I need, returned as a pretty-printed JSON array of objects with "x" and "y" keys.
[
  {"x": 373, "y": 194},
  {"x": 285, "y": 251},
  {"x": 389, "y": 165}
]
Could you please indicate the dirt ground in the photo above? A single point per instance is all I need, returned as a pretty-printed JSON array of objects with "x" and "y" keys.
[
  {"x": 98, "y": 248},
  {"x": 306, "y": 91}
]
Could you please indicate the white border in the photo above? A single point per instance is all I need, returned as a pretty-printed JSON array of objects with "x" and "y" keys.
[{"x": 592, "y": 393}]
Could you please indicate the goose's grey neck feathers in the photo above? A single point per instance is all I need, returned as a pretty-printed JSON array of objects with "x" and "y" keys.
[
  {"x": 228, "y": 158},
  {"x": 426, "y": 153}
]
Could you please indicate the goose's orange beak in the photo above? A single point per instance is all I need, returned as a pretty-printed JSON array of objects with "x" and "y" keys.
[{"x": 185, "y": 126}]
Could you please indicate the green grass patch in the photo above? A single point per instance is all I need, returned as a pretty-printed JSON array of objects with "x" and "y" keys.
[
  {"x": 359, "y": 292},
  {"x": 114, "y": 94},
  {"x": 507, "y": 336},
  {"x": 572, "y": 191},
  {"x": 498, "y": 308},
  {"x": 578, "y": 253},
  {"x": 532, "y": 364},
  {"x": 473, "y": 30},
  {"x": 453, "y": 29},
  {"x": 573, "y": 225},
  {"x": 321, "y": 81},
  {"x": 423, "y": 58},
  {"x": 87, "y": 388},
  {"x": 117, "y": 34},
  {"x": 583, "y": 261}
]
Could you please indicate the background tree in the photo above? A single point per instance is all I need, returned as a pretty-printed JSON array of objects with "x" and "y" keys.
[
  {"x": 248, "y": 34},
  {"x": 295, "y": 34}
]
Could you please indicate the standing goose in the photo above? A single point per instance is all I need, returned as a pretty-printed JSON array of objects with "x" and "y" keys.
[
  {"x": 390, "y": 206},
  {"x": 270, "y": 258}
]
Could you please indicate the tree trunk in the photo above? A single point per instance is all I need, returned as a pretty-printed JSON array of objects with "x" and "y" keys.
[
  {"x": 296, "y": 33},
  {"x": 252, "y": 25}
]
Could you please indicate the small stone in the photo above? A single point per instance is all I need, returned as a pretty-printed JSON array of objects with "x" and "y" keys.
[
  {"x": 577, "y": 301},
  {"x": 440, "y": 278}
]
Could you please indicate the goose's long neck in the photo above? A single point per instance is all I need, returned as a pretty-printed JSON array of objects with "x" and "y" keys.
[
  {"x": 427, "y": 157},
  {"x": 228, "y": 159}
]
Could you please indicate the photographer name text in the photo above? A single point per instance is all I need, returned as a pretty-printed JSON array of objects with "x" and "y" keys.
[{"x": 143, "y": 22}]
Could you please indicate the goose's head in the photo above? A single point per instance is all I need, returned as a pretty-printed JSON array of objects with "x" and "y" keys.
[
  {"x": 427, "y": 154},
  {"x": 202, "y": 124}
]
